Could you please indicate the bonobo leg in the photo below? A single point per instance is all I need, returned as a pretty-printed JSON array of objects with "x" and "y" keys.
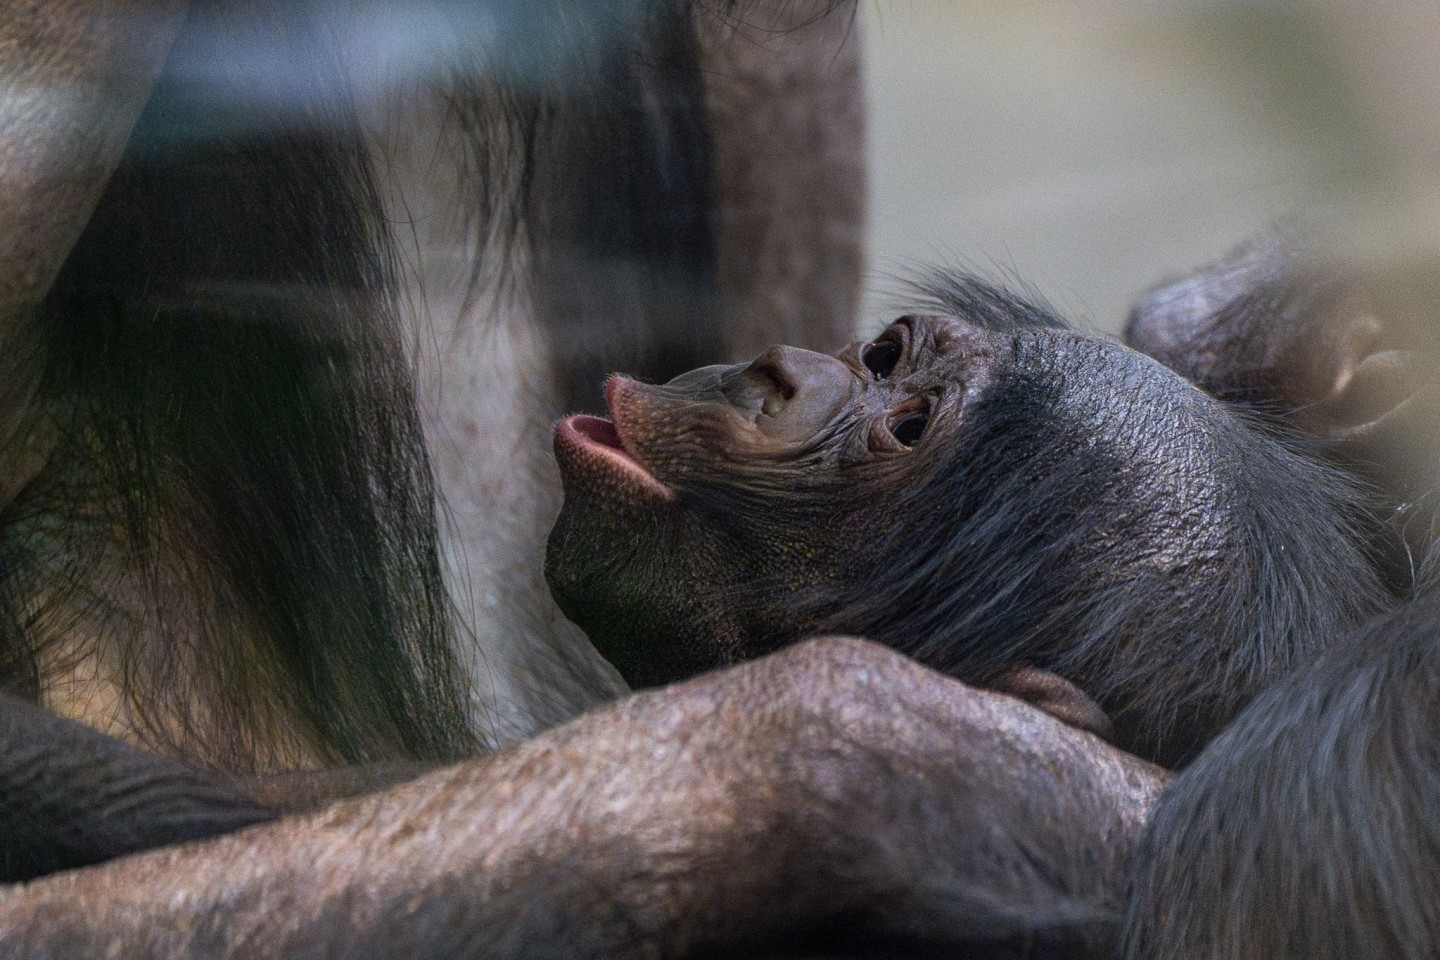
[
  {"x": 1286, "y": 326},
  {"x": 1291, "y": 329},
  {"x": 835, "y": 794},
  {"x": 1311, "y": 828},
  {"x": 70, "y": 796}
]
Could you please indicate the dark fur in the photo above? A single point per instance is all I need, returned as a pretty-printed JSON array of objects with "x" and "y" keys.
[
  {"x": 1087, "y": 511},
  {"x": 1309, "y": 828},
  {"x": 227, "y": 373},
  {"x": 70, "y": 797},
  {"x": 237, "y": 418},
  {"x": 1268, "y": 581},
  {"x": 225, "y": 369},
  {"x": 1047, "y": 522}
]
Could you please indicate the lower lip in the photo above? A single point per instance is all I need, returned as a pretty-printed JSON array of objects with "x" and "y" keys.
[{"x": 596, "y": 441}]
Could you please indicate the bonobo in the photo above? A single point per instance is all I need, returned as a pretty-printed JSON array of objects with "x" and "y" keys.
[
  {"x": 1245, "y": 508},
  {"x": 983, "y": 488}
]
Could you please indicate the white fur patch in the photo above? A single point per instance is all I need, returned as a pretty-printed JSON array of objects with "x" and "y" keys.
[{"x": 488, "y": 399}]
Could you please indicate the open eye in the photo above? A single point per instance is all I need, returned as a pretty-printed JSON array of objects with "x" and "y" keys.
[
  {"x": 880, "y": 357},
  {"x": 910, "y": 427},
  {"x": 901, "y": 428}
]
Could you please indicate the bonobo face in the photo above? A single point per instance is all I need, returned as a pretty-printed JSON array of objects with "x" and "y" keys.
[
  {"x": 976, "y": 491},
  {"x": 715, "y": 516}
]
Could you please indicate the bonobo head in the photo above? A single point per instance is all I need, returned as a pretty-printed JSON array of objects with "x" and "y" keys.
[{"x": 979, "y": 488}]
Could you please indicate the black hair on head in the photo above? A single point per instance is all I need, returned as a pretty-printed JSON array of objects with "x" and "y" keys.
[
  {"x": 1052, "y": 527},
  {"x": 988, "y": 305}
]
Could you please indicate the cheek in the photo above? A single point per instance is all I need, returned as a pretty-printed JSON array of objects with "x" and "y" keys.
[
  {"x": 595, "y": 548},
  {"x": 713, "y": 461},
  {"x": 795, "y": 542}
]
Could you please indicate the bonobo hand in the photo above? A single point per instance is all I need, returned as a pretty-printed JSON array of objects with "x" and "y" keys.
[{"x": 833, "y": 795}]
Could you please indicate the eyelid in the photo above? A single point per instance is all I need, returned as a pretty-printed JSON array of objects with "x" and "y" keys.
[
  {"x": 880, "y": 436},
  {"x": 917, "y": 404},
  {"x": 900, "y": 332}
]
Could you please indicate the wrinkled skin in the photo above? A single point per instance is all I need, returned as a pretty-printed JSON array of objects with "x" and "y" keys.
[
  {"x": 336, "y": 232},
  {"x": 839, "y": 759},
  {"x": 799, "y": 436},
  {"x": 834, "y": 796},
  {"x": 803, "y": 439}
]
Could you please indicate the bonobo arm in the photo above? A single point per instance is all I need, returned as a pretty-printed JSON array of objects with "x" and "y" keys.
[
  {"x": 70, "y": 796},
  {"x": 834, "y": 793},
  {"x": 789, "y": 267},
  {"x": 1311, "y": 828},
  {"x": 295, "y": 791}
]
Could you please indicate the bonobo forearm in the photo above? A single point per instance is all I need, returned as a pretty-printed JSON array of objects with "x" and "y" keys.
[
  {"x": 65, "y": 113},
  {"x": 835, "y": 787},
  {"x": 299, "y": 791}
]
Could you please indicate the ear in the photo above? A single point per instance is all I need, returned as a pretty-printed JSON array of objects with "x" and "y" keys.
[
  {"x": 1279, "y": 325},
  {"x": 1056, "y": 696},
  {"x": 1375, "y": 393}
]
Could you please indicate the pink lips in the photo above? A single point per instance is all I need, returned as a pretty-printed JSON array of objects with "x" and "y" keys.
[
  {"x": 598, "y": 430},
  {"x": 595, "y": 444}
]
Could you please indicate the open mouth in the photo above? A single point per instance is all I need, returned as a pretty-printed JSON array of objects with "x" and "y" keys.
[
  {"x": 599, "y": 431},
  {"x": 596, "y": 443}
]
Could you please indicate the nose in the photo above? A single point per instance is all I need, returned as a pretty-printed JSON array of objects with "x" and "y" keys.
[{"x": 795, "y": 392}]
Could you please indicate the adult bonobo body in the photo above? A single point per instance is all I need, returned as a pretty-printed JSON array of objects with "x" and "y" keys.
[{"x": 981, "y": 488}]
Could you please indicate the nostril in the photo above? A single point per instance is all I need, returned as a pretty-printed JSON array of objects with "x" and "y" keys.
[
  {"x": 770, "y": 371},
  {"x": 789, "y": 394}
]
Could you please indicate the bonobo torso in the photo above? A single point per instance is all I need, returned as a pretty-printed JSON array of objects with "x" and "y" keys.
[{"x": 979, "y": 489}]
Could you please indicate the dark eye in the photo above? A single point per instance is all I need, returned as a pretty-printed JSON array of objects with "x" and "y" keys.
[
  {"x": 909, "y": 428},
  {"x": 880, "y": 358}
]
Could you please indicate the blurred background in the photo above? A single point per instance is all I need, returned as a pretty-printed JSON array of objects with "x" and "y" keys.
[{"x": 1094, "y": 148}]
